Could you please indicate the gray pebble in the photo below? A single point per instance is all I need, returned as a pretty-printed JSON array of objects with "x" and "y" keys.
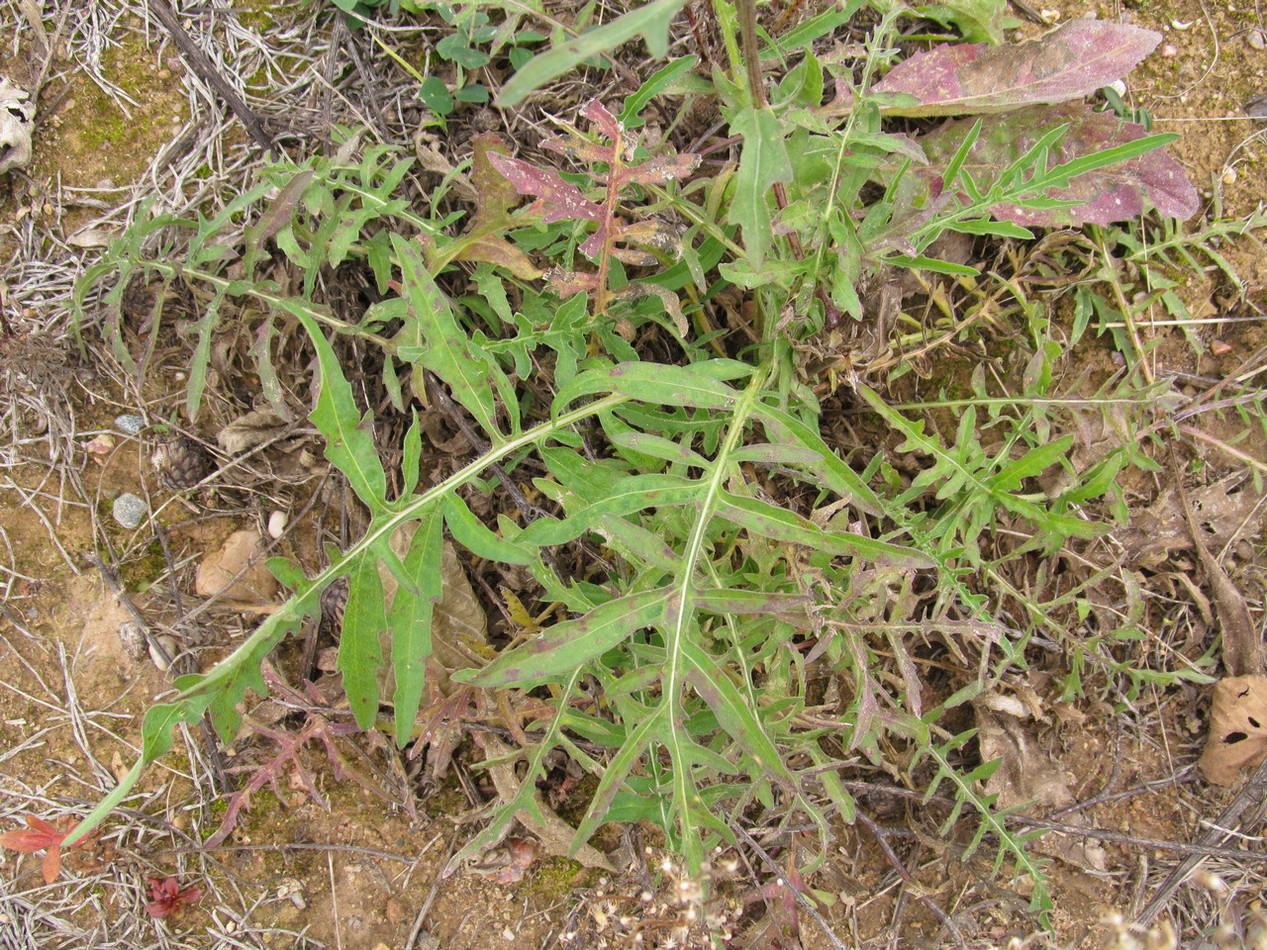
[
  {"x": 129, "y": 423},
  {"x": 1256, "y": 39},
  {"x": 1257, "y": 107},
  {"x": 130, "y": 510}
]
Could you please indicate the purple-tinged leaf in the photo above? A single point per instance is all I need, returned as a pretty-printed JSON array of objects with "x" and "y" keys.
[
  {"x": 1070, "y": 62},
  {"x": 657, "y": 171},
  {"x": 603, "y": 120},
  {"x": 559, "y": 200},
  {"x": 495, "y": 196},
  {"x": 566, "y": 283},
  {"x": 583, "y": 151},
  {"x": 1108, "y": 194}
]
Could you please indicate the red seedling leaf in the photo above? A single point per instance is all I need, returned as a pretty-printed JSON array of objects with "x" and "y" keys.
[
  {"x": 51, "y": 866},
  {"x": 1116, "y": 193},
  {"x": 40, "y": 836},
  {"x": 1070, "y": 62},
  {"x": 167, "y": 897}
]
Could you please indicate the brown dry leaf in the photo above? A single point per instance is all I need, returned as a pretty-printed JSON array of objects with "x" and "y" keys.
[
  {"x": 246, "y": 432},
  {"x": 1028, "y": 772},
  {"x": 1238, "y": 729},
  {"x": 554, "y": 833},
  {"x": 1222, "y": 507}
]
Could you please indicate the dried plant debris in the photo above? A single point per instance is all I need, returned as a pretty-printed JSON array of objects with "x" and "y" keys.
[
  {"x": 1029, "y": 773},
  {"x": 1238, "y": 729},
  {"x": 1224, "y": 508},
  {"x": 17, "y": 121},
  {"x": 182, "y": 463},
  {"x": 1242, "y": 645}
]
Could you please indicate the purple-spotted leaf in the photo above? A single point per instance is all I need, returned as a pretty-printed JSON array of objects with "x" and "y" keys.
[
  {"x": 657, "y": 171},
  {"x": 603, "y": 120},
  {"x": 1110, "y": 194},
  {"x": 1070, "y": 62},
  {"x": 560, "y": 649}
]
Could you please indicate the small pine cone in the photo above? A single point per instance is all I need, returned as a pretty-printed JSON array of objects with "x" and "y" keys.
[
  {"x": 182, "y": 463},
  {"x": 334, "y": 600}
]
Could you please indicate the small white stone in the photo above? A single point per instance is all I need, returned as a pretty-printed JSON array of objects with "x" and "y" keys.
[
  {"x": 1170, "y": 50},
  {"x": 1229, "y": 176},
  {"x": 1256, "y": 39},
  {"x": 1118, "y": 86},
  {"x": 130, "y": 510},
  {"x": 129, "y": 423},
  {"x": 277, "y": 524},
  {"x": 168, "y": 646}
]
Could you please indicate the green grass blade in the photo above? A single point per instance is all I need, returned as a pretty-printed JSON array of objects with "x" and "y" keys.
[{"x": 649, "y": 20}]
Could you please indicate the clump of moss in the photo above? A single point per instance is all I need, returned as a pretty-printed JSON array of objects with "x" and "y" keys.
[{"x": 554, "y": 878}]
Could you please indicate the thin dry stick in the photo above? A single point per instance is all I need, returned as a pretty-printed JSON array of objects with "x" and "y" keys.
[
  {"x": 201, "y": 63},
  {"x": 416, "y": 931},
  {"x": 796, "y": 892},
  {"x": 1252, "y": 795},
  {"x": 882, "y": 839}
]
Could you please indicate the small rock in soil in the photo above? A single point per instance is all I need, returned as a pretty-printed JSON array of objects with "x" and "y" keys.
[
  {"x": 133, "y": 639},
  {"x": 1257, "y": 107},
  {"x": 129, "y": 423},
  {"x": 130, "y": 510},
  {"x": 1256, "y": 39}
]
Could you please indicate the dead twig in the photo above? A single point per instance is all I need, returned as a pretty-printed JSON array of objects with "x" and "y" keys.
[
  {"x": 201, "y": 63},
  {"x": 1252, "y": 795},
  {"x": 801, "y": 899}
]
